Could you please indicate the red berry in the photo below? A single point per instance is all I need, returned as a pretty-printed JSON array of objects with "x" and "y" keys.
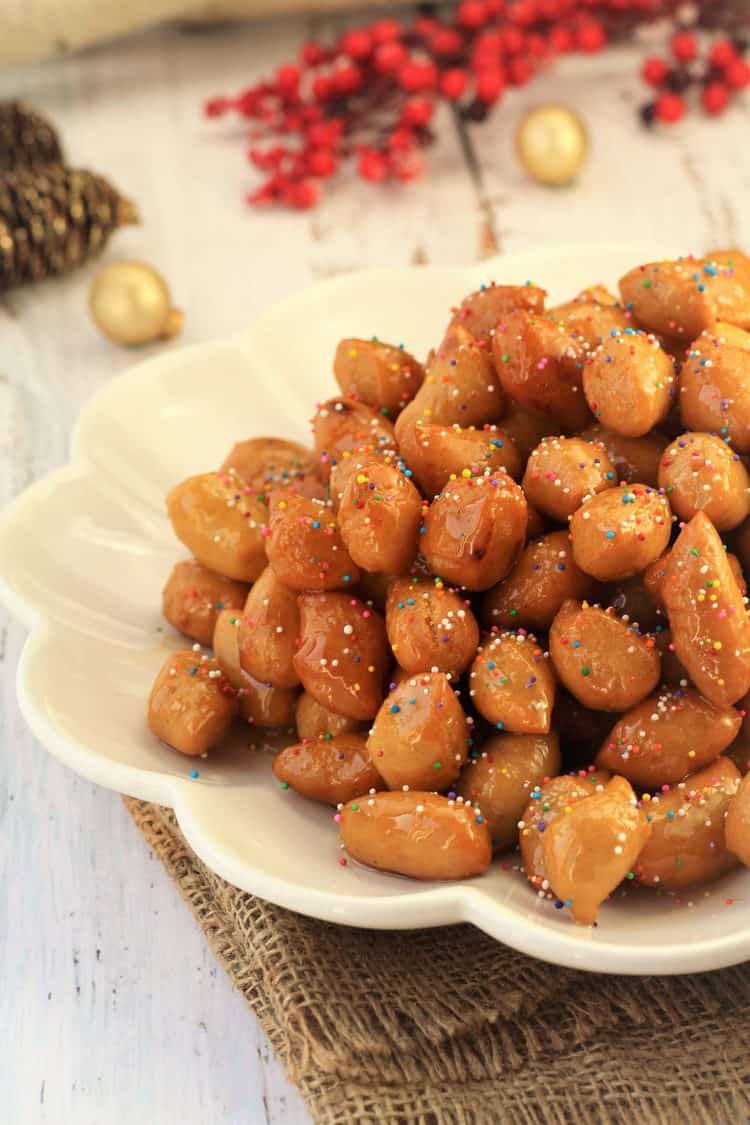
[
  {"x": 310, "y": 113},
  {"x": 417, "y": 112},
  {"x": 487, "y": 50},
  {"x": 321, "y": 162},
  {"x": 214, "y": 107},
  {"x": 372, "y": 165},
  {"x": 446, "y": 41},
  {"x": 490, "y": 85},
  {"x": 347, "y": 79},
  {"x": 737, "y": 74},
  {"x": 389, "y": 57},
  {"x": 590, "y": 36},
  {"x": 453, "y": 83},
  {"x": 654, "y": 71},
  {"x": 536, "y": 45},
  {"x": 401, "y": 139},
  {"x": 322, "y": 87},
  {"x": 287, "y": 79},
  {"x": 669, "y": 108},
  {"x": 471, "y": 14},
  {"x": 312, "y": 53},
  {"x": 722, "y": 53},
  {"x": 303, "y": 195},
  {"x": 264, "y": 195},
  {"x": 684, "y": 46},
  {"x": 426, "y": 26},
  {"x": 325, "y": 134},
  {"x": 385, "y": 31},
  {"x": 249, "y": 103},
  {"x": 512, "y": 39},
  {"x": 414, "y": 76},
  {"x": 357, "y": 44},
  {"x": 494, "y": 8},
  {"x": 524, "y": 13},
  {"x": 520, "y": 70},
  {"x": 561, "y": 39},
  {"x": 411, "y": 168},
  {"x": 550, "y": 10},
  {"x": 715, "y": 97}
]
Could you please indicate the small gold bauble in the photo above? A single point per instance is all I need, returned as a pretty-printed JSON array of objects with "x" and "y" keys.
[
  {"x": 130, "y": 302},
  {"x": 552, "y": 143}
]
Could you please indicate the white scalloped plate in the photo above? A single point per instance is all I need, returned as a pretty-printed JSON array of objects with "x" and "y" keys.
[{"x": 84, "y": 554}]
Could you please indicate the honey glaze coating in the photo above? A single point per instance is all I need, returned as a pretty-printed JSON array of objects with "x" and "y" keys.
[
  {"x": 539, "y": 362},
  {"x": 380, "y": 375},
  {"x": 501, "y": 776},
  {"x": 618, "y": 533},
  {"x": 589, "y": 849},
  {"x": 474, "y": 530},
  {"x": 715, "y": 385},
  {"x": 688, "y": 846},
  {"x": 707, "y": 613},
  {"x": 634, "y": 458},
  {"x": 546, "y": 801},
  {"x": 480, "y": 312},
  {"x": 331, "y": 771},
  {"x": 700, "y": 473},
  {"x": 437, "y": 454},
  {"x": 221, "y": 520},
  {"x": 343, "y": 656},
  {"x": 192, "y": 703},
  {"x": 418, "y": 834},
  {"x": 431, "y": 627},
  {"x": 562, "y": 472},
  {"x": 379, "y": 517},
  {"x": 592, "y": 315},
  {"x": 305, "y": 546},
  {"x": 342, "y": 425},
  {"x": 314, "y": 721},
  {"x": 737, "y": 824},
  {"x": 267, "y": 463},
  {"x": 739, "y": 750},
  {"x": 193, "y": 597},
  {"x": 420, "y": 735},
  {"x": 603, "y": 661},
  {"x": 629, "y": 383},
  {"x": 460, "y": 386},
  {"x": 668, "y": 735},
  {"x": 527, "y": 427},
  {"x": 682, "y": 298},
  {"x": 261, "y": 703},
  {"x": 512, "y": 684},
  {"x": 545, "y": 575},
  {"x": 268, "y": 630}
]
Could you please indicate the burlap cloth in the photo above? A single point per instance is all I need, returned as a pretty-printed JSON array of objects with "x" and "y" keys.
[{"x": 447, "y": 1027}]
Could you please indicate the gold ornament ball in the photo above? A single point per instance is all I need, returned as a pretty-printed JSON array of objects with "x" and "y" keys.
[
  {"x": 131, "y": 303},
  {"x": 552, "y": 144}
]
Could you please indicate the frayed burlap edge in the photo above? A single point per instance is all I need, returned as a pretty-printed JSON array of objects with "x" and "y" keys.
[{"x": 446, "y": 1027}]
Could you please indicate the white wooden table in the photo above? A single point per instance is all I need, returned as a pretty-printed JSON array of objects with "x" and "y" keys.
[{"x": 112, "y": 1009}]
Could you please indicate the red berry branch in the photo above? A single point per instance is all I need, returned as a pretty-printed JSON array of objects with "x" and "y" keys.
[
  {"x": 719, "y": 74},
  {"x": 371, "y": 96}
]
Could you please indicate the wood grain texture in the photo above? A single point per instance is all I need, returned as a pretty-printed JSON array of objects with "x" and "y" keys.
[{"x": 116, "y": 1010}]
